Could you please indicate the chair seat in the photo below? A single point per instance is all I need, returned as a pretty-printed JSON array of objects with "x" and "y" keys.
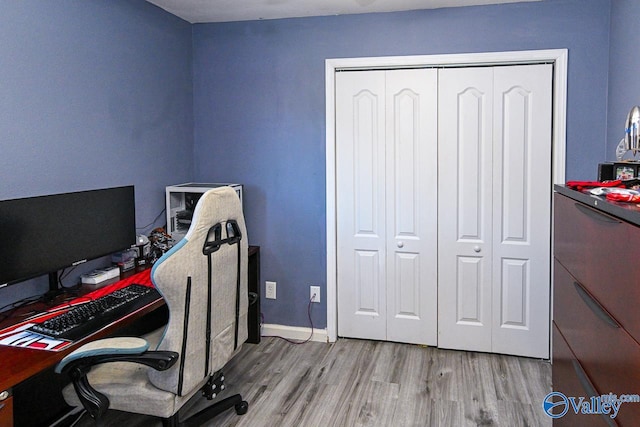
[{"x": 127, "y": 387}]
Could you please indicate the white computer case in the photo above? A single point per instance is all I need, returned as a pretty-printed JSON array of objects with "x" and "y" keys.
[{"x": 181, "y": 200}]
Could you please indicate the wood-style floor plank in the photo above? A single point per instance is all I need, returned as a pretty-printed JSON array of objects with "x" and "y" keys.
[{"x": 369, "y": 383}]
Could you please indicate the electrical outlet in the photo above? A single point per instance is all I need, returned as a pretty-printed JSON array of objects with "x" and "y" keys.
[
  {"x": 314, "y": 290},
  {"x": 270, "y": 290}
]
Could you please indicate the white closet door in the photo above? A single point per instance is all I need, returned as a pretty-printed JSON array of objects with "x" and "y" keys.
[
  {"x": 494, "y": 244},
  {"x": 465, "y": 151},
  {"x": 386, "y": 130},
  {"x": 412, "y": 214},
  {"x": 360, "y": 203},
  {"x": 522, "y": 210}
]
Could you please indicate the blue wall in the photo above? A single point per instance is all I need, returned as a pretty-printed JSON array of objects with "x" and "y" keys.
[
  {"x": 259, "y": 100},
  {"x": 99, "y": 93},
  {"x": 624, "y": 69},
  {"x": 93, "y": 94}
]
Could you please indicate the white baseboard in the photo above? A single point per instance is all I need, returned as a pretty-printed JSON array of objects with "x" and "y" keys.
[{"x": 294, "y": 332}]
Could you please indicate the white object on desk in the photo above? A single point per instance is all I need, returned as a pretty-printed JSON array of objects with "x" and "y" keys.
[{"x": 99, "y": 276}]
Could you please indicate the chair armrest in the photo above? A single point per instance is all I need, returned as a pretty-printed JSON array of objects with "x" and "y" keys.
[
  {"x": 119, "y": 349},
  {"x": 126, "y": 349}
]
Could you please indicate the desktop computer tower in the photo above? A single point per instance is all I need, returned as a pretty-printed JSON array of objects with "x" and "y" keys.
[{"x": 182, "y": 200}]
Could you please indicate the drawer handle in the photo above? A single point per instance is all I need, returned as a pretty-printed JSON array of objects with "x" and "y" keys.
[
  {"x": 596, "y": 215},
  {"x": 595, "y": 306},
  {"x": 584, "y": 380},
  {"x": 588, "y": 387}
]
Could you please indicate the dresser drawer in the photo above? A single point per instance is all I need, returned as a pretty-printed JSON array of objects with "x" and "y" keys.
[
  {"x": 596, "y": 249},
  {"x": 569, "y": 379},
  {"x": 6, "y": 411},
  {"x": 608, "y": 354}
]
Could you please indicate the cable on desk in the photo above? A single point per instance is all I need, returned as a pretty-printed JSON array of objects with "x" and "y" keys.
[
  {"x": 16, "y": 305},
  {"x": 63, "y": 275}
]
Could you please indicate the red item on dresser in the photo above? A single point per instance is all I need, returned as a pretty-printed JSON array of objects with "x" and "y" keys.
[
  {"x": 584, "y": 185},
  {"x": 629, "y": 198}
]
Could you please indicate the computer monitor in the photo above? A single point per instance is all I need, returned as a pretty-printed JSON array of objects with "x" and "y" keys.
[{"x": 42, "y": 235}]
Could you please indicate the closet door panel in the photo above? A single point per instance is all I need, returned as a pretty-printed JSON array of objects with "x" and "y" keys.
[
  {"x": 464, "y": 207},
  {"x": 361, "y": 228},
  {"x": 521, "y": 203},
  {"x": 411, "y": 191}
]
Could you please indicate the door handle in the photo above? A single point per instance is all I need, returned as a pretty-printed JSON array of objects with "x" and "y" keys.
[
  {"x": 477, "y": 249},
  {"x": 400, "y": 244}
]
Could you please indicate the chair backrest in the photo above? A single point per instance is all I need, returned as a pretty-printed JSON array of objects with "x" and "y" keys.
[{"x": 199, "y": 279}]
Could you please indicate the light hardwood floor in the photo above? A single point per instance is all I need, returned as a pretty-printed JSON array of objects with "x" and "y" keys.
[{"x": 367, "y": 383}]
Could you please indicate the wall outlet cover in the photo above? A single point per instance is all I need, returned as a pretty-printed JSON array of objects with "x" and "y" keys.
[
  {"x": 314, "y": 290},
  {"x": 270, "y": 290}
]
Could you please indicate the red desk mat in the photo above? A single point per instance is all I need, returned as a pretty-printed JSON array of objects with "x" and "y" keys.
[{"x": 17, "y": 335}]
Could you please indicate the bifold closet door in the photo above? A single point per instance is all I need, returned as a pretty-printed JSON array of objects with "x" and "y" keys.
[
  {"x": 494, "y": 148},
  {"x": 465, "y": 209},
  {"x": 386, "y": 163}
]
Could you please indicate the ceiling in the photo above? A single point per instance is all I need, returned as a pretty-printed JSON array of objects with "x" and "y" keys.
[{"x": 200, "y": 11}]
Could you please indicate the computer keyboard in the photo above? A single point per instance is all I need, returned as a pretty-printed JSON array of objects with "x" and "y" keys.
[{"x": 89, "y": 317}]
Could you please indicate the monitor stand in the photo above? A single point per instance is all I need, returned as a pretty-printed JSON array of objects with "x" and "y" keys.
[{"x": 54, "y": 288}]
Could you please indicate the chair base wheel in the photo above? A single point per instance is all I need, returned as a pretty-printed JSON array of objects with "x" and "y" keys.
[{"x": 242, "y": 408}]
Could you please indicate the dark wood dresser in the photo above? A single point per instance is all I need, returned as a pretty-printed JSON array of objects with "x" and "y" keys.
[{"x": 596, "y": 300}]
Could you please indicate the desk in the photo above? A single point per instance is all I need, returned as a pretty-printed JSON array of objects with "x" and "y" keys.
[{"x": 19, "y": 364}]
